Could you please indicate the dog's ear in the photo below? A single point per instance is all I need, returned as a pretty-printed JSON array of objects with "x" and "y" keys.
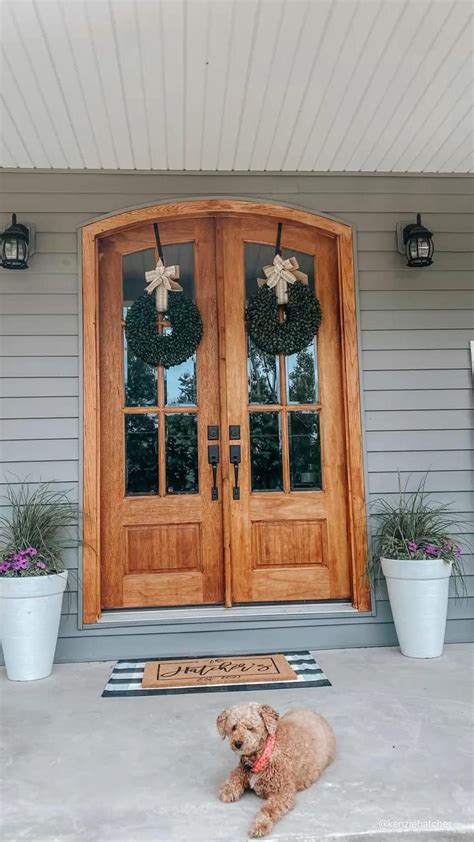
[
  {"x": 270, "y": 718},
  {"x": 221, "y": 723}
]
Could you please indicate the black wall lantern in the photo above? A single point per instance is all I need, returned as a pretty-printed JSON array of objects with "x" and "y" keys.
[
  {"x": 17, "y": 242},
  {"x": 416, "y": 243}
]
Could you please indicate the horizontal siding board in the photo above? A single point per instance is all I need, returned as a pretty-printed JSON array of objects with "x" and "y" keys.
[
  {"x": 48, "y": 346},
  {"x": 421, "y": 460},
  {"x": 40, "y": 450},
  {"x": 405, "y": 440},
  {"x": 417, "y": 300},
  {"x": 415, "y": 279},
  {"x": 459, "y": 501},
  {"x": 416, "y": 320},
  {"x": 423, "y": 399},
  {"x": 418, "y": 380},
  {"x": 149, "y": 182},
  {"x": 41, "y": 428},
  {"x": 61, "y": 471},
  {"x": 389, "y": 360},
  {"x": 62, "y": 407},
  {"x": 37, "y": 284},
  {"x": 375, "y": 260},
  {"x": 433, "y": 419},
  {"x": 337, "y": 204},
  {"x": 52, "y": 263},
  {"x": 39, "y": 387},
  {"x": 40, "y": 366},
  {"x": 386, "y": 482},
  {"x": 449, "y": 243},
  {"x": 414, "y": 340},
  {"x": 58, "y": 325},
  {"x": 39, "y": 303}
]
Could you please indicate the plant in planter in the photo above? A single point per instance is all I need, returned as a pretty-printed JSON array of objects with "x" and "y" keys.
[
  {"x": 41, "y": 522},
  {"x": 413, "y": 544}
]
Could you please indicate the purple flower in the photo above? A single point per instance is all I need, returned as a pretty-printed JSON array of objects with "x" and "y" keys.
[
  {"x": 16, "y": 564},
  {"x": 412, "y": 547},
  {"x": 431, "y": 549},
  {"x": 41, "y": 565},
  {"x": 446, "y": 547},
  {"x": 5, "y": 566},
  {"x": 458, "y": 552},
  {"x": 24, "y": 563},
  {"x": 31, "y": 551}
]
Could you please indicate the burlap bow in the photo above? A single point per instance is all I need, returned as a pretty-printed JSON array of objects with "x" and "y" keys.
[
  {"x": 161, "y": 280},
  {"x": 280, "y": 274}
]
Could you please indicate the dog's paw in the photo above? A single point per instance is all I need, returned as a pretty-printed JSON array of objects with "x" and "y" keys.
[
  {"x": 261, "y": 826},
  {"x": 228, "y": 792}
]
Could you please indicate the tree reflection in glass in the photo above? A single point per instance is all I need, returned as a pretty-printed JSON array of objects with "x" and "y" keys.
[
  {"x": 265, "y": 451},
  {"x": 301, "y": 376},
  {"x": 264, "y": 386},
  {"x": 180, "y": 384},
  {"x": 181, "y": 454},
  {"x": 141, "y": 454},
  {"x": 305, "y": 451}
]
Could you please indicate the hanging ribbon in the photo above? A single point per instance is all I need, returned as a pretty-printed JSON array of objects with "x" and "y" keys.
[
  {"x": 162, "y": 279},
  {"x": 281, "y": 273}
]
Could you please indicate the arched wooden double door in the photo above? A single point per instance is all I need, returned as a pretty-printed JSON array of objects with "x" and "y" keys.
[{"x": 279, "y": 525}]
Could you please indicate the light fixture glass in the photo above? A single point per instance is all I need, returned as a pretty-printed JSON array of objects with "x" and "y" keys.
[
  {"x": 418, "y": 242},
  {"x": 15, "y": 246}
]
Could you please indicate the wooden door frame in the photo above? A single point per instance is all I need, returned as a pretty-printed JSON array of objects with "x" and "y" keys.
[{"x": 342, "y": 234}]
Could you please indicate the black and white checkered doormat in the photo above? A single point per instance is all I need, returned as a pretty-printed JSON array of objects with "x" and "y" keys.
[{"x": 126, "y": 679}]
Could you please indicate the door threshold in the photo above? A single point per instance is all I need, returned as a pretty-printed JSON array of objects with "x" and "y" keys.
[{"x": 206, "y": 613}]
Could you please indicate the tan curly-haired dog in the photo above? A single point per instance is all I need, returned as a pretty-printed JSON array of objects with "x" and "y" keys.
[{"x": 278, "y": 757}]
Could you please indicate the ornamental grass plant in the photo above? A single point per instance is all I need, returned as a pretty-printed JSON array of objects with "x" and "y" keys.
[
  {"x": 415, "y": 527},
  {"x": 40, "y": 524}
]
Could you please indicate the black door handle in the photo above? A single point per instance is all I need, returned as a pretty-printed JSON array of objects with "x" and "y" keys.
[
  {"x": 213, "y": 459},
  {"x": 235, "y": 458}
]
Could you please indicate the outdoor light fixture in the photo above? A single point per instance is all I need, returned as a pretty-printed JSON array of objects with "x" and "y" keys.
[
  {"x": 16, "y": 245},
  {"x": 416, "y": 243}
]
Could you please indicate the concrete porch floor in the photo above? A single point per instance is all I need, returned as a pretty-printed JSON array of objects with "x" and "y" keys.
[{"x": 79, "y": 767}]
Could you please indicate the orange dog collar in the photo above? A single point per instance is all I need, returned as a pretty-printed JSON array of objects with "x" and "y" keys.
[{"x": 262, "y": 761}]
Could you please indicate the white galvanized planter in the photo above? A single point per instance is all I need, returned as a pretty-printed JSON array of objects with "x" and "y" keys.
[
  {"x": 418, "y": 593},
  {"x": 30, "y": 611}
]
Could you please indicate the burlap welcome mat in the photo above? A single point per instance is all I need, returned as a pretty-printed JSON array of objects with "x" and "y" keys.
[{"x": 214, "y": 674}]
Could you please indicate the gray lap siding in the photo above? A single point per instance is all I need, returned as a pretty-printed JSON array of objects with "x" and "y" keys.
[{"x": 415, "y": 327}]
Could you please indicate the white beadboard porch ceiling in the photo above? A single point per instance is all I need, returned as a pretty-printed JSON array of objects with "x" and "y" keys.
[{"x": 291, "y": 85}]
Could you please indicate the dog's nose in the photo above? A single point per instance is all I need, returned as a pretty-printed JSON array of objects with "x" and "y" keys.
[{"x": 238, "y": 744}]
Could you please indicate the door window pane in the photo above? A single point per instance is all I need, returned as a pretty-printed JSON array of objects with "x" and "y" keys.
[
  {"x": 263, "y": 376},
  {"x": 305, "y": 451},
  {"x": 180, "y": 384},
  {"x": 265, "y": 451},
  {"x": 140, "y": 380},
  {"x": 181, "y": 454},
  {"x": 141, "y": 454},
  {"x": 302, "y": 376}
]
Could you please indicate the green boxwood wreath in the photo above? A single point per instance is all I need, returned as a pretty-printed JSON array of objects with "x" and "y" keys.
[
  {"x": 146, "y": 343},
  {"x": 302, "y": 319}
]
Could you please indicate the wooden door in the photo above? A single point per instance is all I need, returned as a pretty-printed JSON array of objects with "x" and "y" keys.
[
  {"x": 289, "y": 527},
  {"x": 160, "y": 531}
]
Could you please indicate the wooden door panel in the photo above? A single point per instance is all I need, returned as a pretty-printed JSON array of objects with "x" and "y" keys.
[
  {"x": 161, "y": 534},
  {"x": 287, "y": 544}
]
